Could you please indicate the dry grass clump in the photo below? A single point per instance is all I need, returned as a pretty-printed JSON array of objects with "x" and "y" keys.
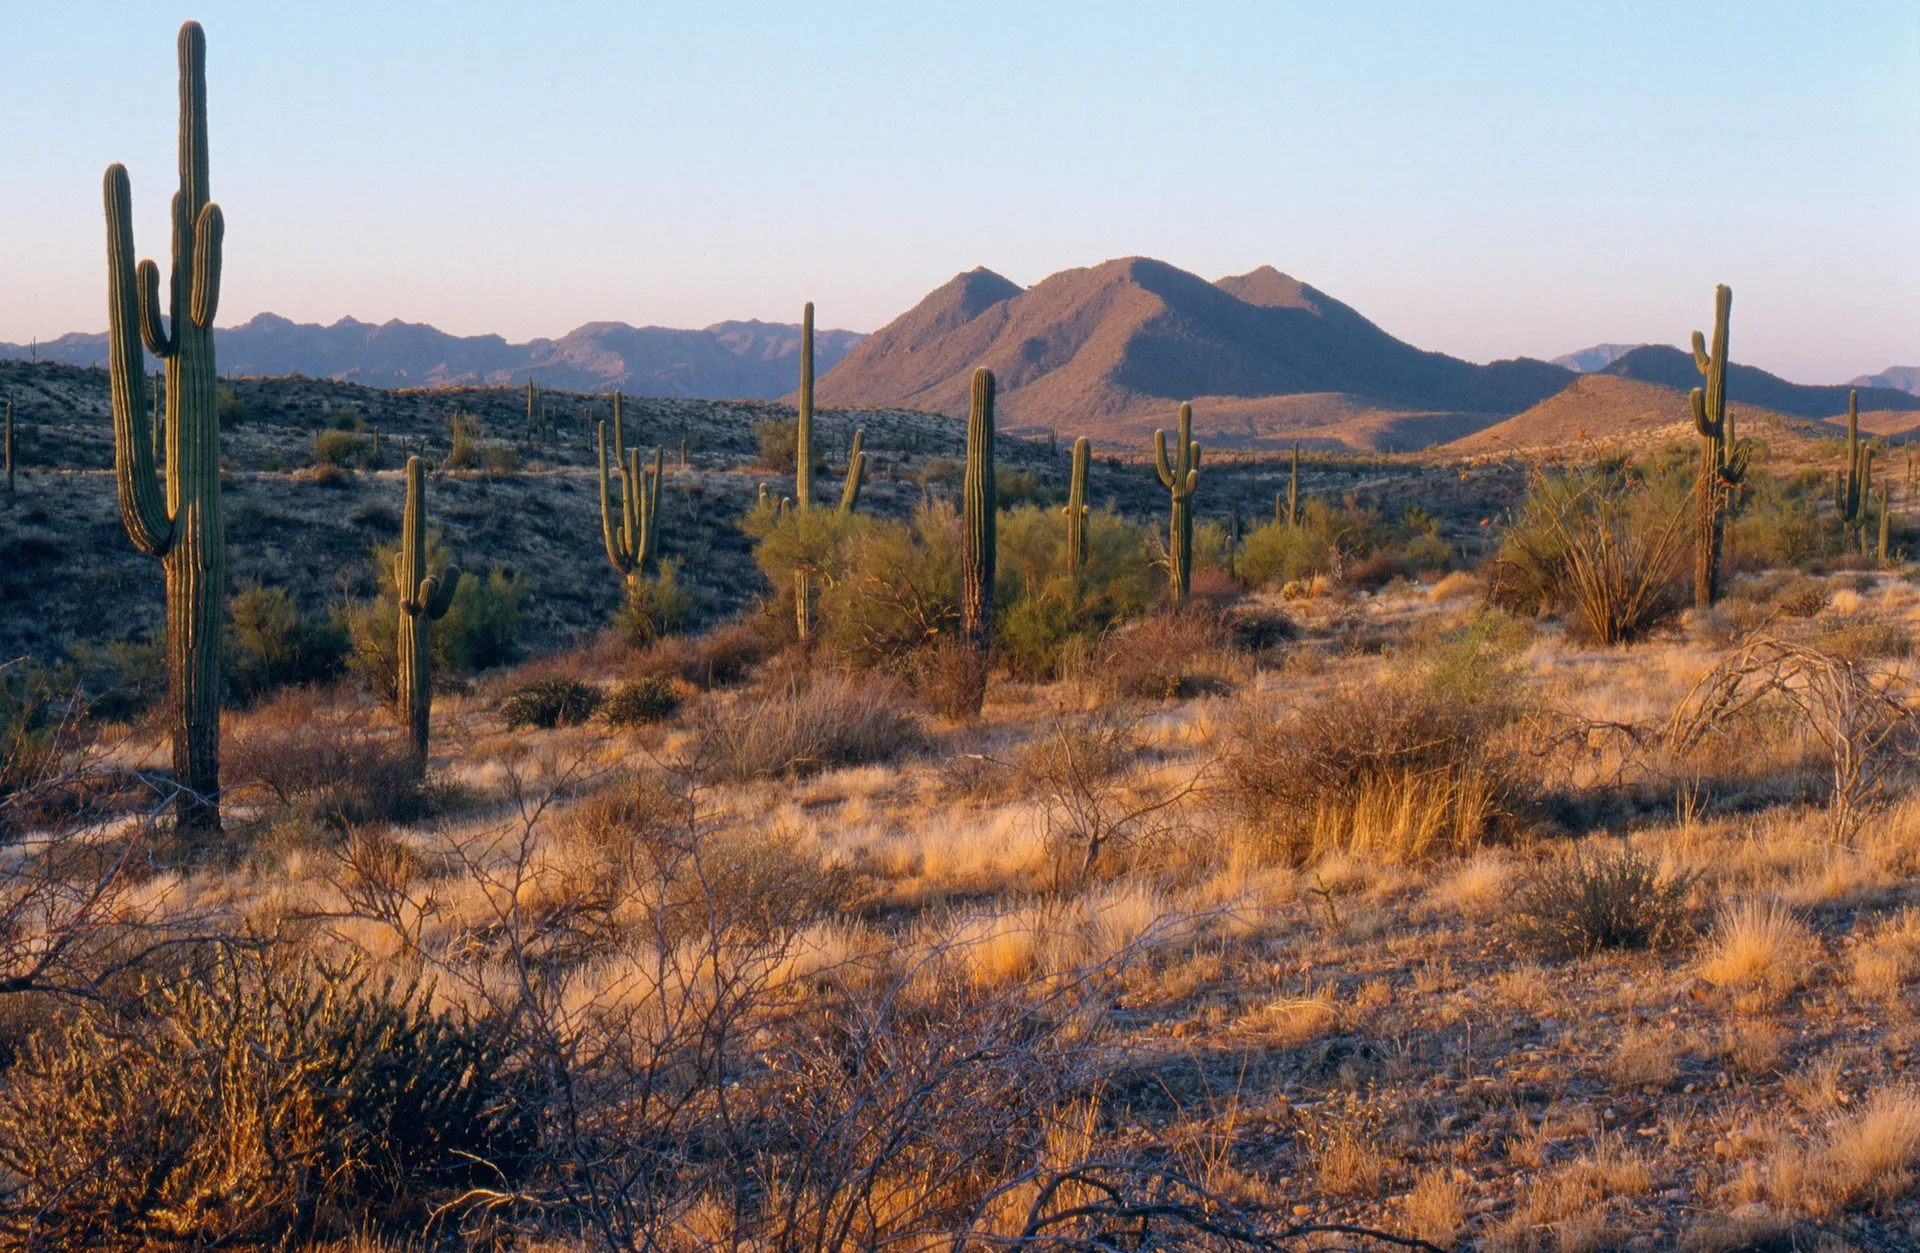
[
  {"x": 1477, "y": 887},
  {"x": 1582, "y": 902},
  {"x": 1885, "y": 961},
  {"x": 1436, "y": 1208},
  {"x": 837, "y": 720},
  {"x": 323, "y": 760},
  {"x": 1864, "y": 1157},
  {"x": 1759, "y": 949},
  {"x": 1389, "y": 770}
]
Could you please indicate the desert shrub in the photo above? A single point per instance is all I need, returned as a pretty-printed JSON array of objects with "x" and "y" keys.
[
  {"x": 1047, "y": 621},
  {"x": 1396, "y": 769},
  {"x": 1210, "y": 541},
  {"x": 499, "y": 458},
  {"x": 1580, "y": 903},
  {"x": 465, "y": 451},
  {"x": 642, "y": 700},
  {"x": 324, "y": 761},
  {"x": 228, "y": 408},
  {"x": 720, "y": 658},
  {"x": 1803, "y": 598},
  {"x": 790, "y": 543},
  {"x": 779, "y": 442},
  {"x": 121, "y": 680},
  {"x": 653, "y": 607},
  {"x": 478, "y": 632},
  {"x": 549, "y": 703},
  {"x": 1016, "y": 488},
  {"x": 948, "y": 677},
  {"x": 1275, "y": 553},
  {"x": 1164, "y": 656},
  {"x": 894, "y": 586},
  {"x": 1375, "y": 570},
  {"x": 1776, "y": 523},
  {"x": 251, "y": 1100},
  {"x": 335, "y": 448},
  {"x": 35, "y": 705},
  {"x": 270, "y": 644},
  {"x": 837, "y": 720},
  {"x": 1604, "y": 547},
  {"x": 326, "y": 474}
]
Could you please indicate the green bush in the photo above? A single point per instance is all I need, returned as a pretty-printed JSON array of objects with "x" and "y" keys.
[
  {"x": 549, "y": 703},
  {"x": 465, "y": 453},
  {"x": 122, "y": 680},
  {"x": 648, "y": 699},
  {"x": 654, "y": 607},
  {"x": 1776, "y": 523},
  {"x": 478, "y": 633},
  {"x": 270, "y": 644},
  {"x": 1046, "y": 620},
  {"x": 1274, "y": 553},
  {"x": 228, "y": 408},
  {"x": 336, "y": 448},
  {"x": 779, "y": 442},
  {"x": 500, "y": 458}
]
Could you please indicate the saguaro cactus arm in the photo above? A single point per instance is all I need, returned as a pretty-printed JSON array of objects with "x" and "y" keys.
[
  {"x": 856, "y": 472},
  {"x": 143, "y": 505}
]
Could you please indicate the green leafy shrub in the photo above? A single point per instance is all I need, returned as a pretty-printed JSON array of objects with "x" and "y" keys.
[
  {"x": 229, "y": 409},
  {"x": 465, "y": 452},
  {"x": 646, "y": 699},
  {"x": 479, "y": 632},
  {"x": 1274, "y": 553},
  {"x": 499, "y": 458},
  {"x": 549, "y": 703},
  {"x": 270, "y": 644},
  {"x": 1581, "y": 903},
  {"x": 654, "y": 607},
  {"x": 334, "y": 448},
  {"x": 779, "y": 443}
]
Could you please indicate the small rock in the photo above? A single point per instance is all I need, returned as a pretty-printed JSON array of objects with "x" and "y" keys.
[{"x": 1301, "y": 1211}]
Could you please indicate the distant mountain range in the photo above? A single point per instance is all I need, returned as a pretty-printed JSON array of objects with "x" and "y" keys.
[
  {"x": 1110, "y": 351},
  {"x": 1904, "y": 378},
  {"x": 726, "y": 361},
  {"x": 1598, "y": 357}
]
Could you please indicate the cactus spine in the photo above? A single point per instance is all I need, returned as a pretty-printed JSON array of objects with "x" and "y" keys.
[
  {"x": 980, "y": 505},
  {"x": 178, "y": 521},
  {"x": 424, "y": 599},
  {"x": 630, "y": 530},
  {"x": 1077, "y": 507},
  {"x": 856, "y": 471},
  {"x": 1723, "y": 463},
  {"x": 1180, "y": 477}
]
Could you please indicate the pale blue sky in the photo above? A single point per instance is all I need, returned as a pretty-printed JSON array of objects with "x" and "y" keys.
[{"x": 1485, "y": 179}]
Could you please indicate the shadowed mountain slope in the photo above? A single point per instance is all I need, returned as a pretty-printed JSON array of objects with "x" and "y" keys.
[{"x": 1674, "y": 368}]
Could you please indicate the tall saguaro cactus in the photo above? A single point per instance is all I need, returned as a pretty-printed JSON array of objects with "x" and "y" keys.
[
  {"x": 803, "y": 453},
  {"x": 631, "y": 529},
  {"x": 856, "y": 472},
  {"x": 979, "y": 509},
  {"x": 1723, "y": 463},
  {"x": 424, "y": 599},
  {"x": 1853, "y": 488},
  {"x": 1180, "y": 476},
  {"x": 1077, "y": 507},
  {"x": 178, "y": 520}
]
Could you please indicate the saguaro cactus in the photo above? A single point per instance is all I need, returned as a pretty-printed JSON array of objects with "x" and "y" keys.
[
  {"x": 631, "y": 530},
  {"x": 803, "y": 452},
  {"x": 1293, "y": 488},
  {"x": 9, "y": 441},
  {"x": 1180, "y": 477},
  {"x": 856, "y": 472},
  {"x": 1723, "y": 463},
  {"x": 1077, "y": 507},
  {"x": 424, "y": 599},
  {"x": 178, "y": 520},
  {"x": 979, "y": 510},
  {"x": 1886, "y": 508},
  {"x": 1854, "y": 486}
]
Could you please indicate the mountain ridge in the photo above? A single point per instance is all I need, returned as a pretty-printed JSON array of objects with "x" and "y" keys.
[{"x": 741, "y": 359}]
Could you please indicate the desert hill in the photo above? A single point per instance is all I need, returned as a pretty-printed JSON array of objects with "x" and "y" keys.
[
  {"x": 1605, "y": 408},
  {"x": 1110, "y": 350},
  {"x": 1905, "y": 378},
  {"x": 728, "y": 360},
  {"x": 1672, "y": 367}
]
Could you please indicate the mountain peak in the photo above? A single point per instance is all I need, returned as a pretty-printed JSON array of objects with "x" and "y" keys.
[{"x": 1268, "y": 288}]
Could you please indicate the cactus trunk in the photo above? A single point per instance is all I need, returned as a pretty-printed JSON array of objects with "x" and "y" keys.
[
  {"x": 423, "y": 600},
  {"x": 803, "y": 451},
  {"x": 1293, "y": 488},
  {"x": 1180, "y": 477},
  {"x": 856, "y": 473},
  {"x": 1886, "y": 504},
  {"x": 1077, "y": 507},
  {"x": 1722, "y": 460},
  {"x": 980, "y": 508},
  {"x": 178, "y": 521}
]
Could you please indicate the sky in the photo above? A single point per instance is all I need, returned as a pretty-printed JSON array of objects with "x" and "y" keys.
[{"x": 1489, "y": 180}]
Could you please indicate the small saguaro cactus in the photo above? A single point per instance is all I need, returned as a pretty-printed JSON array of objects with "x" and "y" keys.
[
  {"x": 630, "y": 530},
  {"x": 424, "y": 599},
  {"x": 1077, "y": 507},
  {"x": 803, "y": 452},
  {"x": 1723, "y": 462},
  {"x": 856, "y": 472},
  {"x": 178, "y": 520},
  {"x": 1853, "y": 486},
  {"x": 979, "y": 509},
  {"x": 1179, "y": 477}
]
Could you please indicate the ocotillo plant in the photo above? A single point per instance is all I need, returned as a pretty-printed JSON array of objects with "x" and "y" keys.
[
  {"x": 856, "y": 472},
  {"x": 1180, "y": 477},
  {"x": 803, "y": 453},
  {"x": 1077, "y": 507},
  {"x": 630, "y": 530},
  {"x": 178, "y": 521},
  {"x": 1723, "y": 463},
  {"x": 979, "y": 511},
  {"x": 424, "y": 599}
]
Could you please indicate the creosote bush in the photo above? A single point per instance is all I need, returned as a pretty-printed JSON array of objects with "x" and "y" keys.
[
  {"x": 549, "y": 703},
  {"x": 1582, "y": 902},
  {"x": 643, "y": 700}
]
